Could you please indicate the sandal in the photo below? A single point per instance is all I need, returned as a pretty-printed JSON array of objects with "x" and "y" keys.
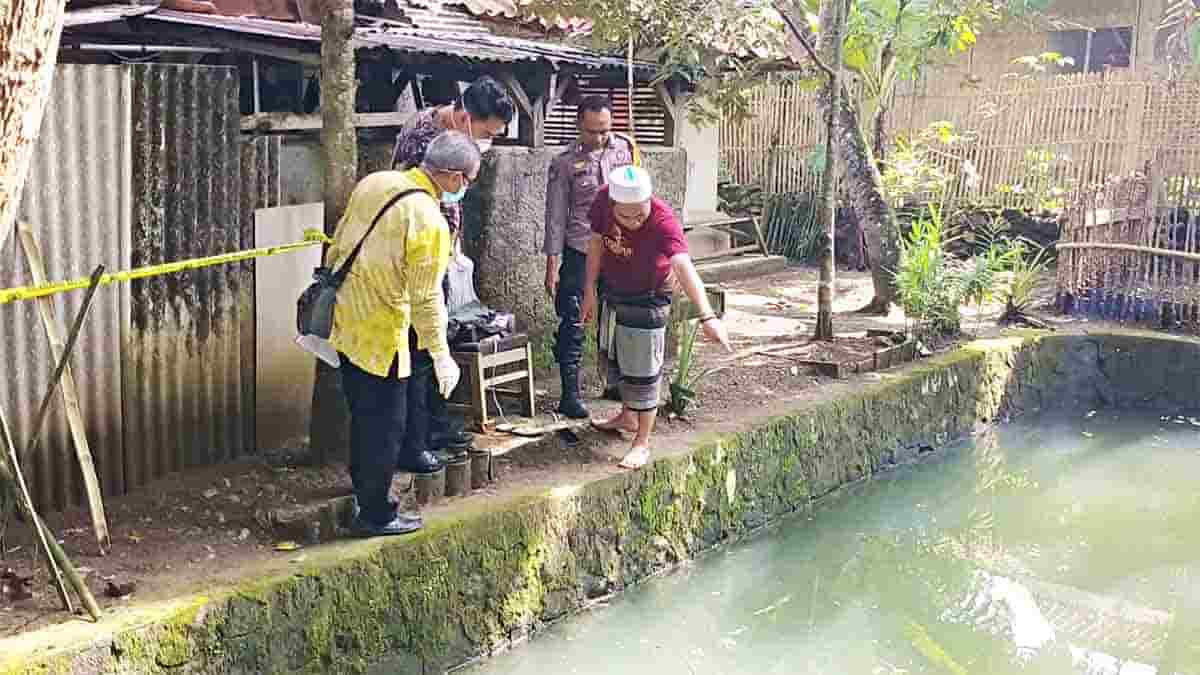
[
  {"x": 636, "y": 458},
  {"x": 612, "y": 426}
]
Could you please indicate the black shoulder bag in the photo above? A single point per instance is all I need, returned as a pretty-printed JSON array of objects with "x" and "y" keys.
[{"x": 314, "y": 309}]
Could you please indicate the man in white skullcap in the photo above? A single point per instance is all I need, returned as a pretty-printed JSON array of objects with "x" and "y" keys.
[{"x": 639, "y": 246}]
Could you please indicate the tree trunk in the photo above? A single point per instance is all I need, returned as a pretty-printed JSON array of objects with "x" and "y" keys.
[
  {"x": 830, "y": 50},
  {"x": 862, "y": 180},
  {"x": 29, "y": 35},
  {"x": 865, "y": 187},
  {"x": 879, "y": 133},
  {"x": 329, "y": 428}
]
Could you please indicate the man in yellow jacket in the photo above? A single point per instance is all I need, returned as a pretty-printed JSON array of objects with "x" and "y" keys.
[{"x": 394, "y": 283}]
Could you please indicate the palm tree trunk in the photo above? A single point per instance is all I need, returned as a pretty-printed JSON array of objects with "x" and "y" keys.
[
  {"x": 29, "y": 36},
  {"x": 329, "y": 427},
  {"x": 830, "y": 49},
  {"x": 862, "y": 179}
]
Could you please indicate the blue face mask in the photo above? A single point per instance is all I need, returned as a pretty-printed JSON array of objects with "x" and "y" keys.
[{"x": 454, "y": 197}]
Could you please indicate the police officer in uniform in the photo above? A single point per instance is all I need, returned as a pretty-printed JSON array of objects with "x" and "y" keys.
[{"x": 575, "y": 177}]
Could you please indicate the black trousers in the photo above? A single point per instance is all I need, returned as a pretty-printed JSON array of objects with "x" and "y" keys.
[
  {"x": 378, "y": 413},
  {"x": 422, "y": 390},
  {"x": 568, "y": 304},
  {"x": 430, "y": 421}
]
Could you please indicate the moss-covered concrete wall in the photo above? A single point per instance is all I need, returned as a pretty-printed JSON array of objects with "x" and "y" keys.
[{"x": 461, "y": 588}]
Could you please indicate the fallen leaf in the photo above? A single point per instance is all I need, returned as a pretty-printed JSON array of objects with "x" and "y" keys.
[
  {"x": 286, "y": 546},
  {"x": 211, "y": 492},
  {"x": 135, "y": 538}
]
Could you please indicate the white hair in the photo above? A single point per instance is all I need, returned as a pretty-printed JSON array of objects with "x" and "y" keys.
[{"x": 452, "y": 151}]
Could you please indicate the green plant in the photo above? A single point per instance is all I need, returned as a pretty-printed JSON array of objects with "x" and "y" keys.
[
  {"x": 922, "y": 166},
  {"x": 683, "y": 385},
  {"x": 931, "y": 290},
  {"x": 925, "y": 289},
  {"x": 1028, "y": 266},
  {"x": 792, "y": 228},
  {"x": 739, "y": 199},
  {"x": 1038, "y": 187},
  {"x": 979, "y": 279},
  {"x": 1037, "y": 65}
]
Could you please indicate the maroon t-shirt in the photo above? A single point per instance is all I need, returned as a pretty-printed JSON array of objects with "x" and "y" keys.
[{"x": 637, "y": 261}]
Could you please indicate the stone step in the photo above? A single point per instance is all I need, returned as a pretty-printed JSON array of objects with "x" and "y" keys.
[
  {"x": 327, "y": 519},
  {"x": 743, "y": 266},
  {"x": 704, "y": 241}
]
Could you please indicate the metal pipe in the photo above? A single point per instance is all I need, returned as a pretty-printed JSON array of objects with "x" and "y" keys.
[
  {"x": 1087, "y": 52},
  {"x": 257, "y": 100},
  {"x": 141, "y": 49}
]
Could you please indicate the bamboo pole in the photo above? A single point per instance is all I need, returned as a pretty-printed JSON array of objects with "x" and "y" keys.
[
  {"x": 63, "y": 359},
  {"x": 9, "y": 482},
  {"x": 70, "y": 393},
  {"x": 1135, "y": 248},
  {"x": 25, "y": 503}
]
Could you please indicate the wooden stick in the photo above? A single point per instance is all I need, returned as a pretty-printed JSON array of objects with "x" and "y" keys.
[
  {"x": 70, "y": 394},
  {"x": 62, "y": 363},
  {"x": 1151, "y": 250},
  {"x": 60, "y": 556},
  {"x": 25, "y": 503}
]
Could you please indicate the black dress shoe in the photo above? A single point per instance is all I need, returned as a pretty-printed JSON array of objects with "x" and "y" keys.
[
  {"x": 401, "y": 524},
  {"x": 356, "y": 510},
  {"x": 424, "y": 463}
]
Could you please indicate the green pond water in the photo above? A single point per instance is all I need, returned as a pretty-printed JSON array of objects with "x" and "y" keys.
[{"x": 1098, "y": 507}]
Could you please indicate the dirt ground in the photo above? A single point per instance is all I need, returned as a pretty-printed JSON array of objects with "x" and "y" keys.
[{"x": 209, "y": 528}]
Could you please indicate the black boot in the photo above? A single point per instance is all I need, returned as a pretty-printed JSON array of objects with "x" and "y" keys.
[{"x": 570, "y": 404}]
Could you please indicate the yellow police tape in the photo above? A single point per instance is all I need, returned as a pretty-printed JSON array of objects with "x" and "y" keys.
[{"x": 311, "y": 238}]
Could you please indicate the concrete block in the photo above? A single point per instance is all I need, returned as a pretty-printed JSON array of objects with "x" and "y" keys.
[
  {"x": 740, "y": 267},
  {"x": 703, "y": 241}
]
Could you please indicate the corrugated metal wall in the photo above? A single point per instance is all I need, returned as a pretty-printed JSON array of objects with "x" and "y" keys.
[
  {"x": 184, "y": 398},
  {"x": 262, "y": 188},
  {"x": 77, "y": 201},
  {"x": 136, "y": 165}
]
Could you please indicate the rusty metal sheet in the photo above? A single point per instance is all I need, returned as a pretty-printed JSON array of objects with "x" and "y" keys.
[
  {"x": 470, "y": 45},
  {"x": 77, "y": 200},
  {"x": 184, "y": 365}
]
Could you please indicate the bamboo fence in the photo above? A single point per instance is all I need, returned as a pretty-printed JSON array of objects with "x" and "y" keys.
[
  {"x": 1130, "y": 251},
  {"x": 1087, "y": 127},
  {"x": 1122, "y": 146}
]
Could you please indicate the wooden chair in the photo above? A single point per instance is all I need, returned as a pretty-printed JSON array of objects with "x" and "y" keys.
[{"x": 487, "y": 366}]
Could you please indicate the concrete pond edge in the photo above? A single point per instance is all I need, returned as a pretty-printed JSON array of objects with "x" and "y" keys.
[{"x": 467, "y": 586}]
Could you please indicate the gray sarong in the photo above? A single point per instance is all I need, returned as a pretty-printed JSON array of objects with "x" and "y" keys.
[{"x": 634, "y": 339}]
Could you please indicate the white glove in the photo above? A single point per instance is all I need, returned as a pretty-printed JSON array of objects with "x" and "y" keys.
[{"x": 447, "y": 373}]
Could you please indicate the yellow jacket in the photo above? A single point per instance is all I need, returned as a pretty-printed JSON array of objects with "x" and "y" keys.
[{"x": 396, "y": 281}]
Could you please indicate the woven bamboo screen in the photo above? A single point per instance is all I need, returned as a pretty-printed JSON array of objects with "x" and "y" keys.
[
  {"x": 1130, "y": 251},
  {"x": 1092, "y": 126}
]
